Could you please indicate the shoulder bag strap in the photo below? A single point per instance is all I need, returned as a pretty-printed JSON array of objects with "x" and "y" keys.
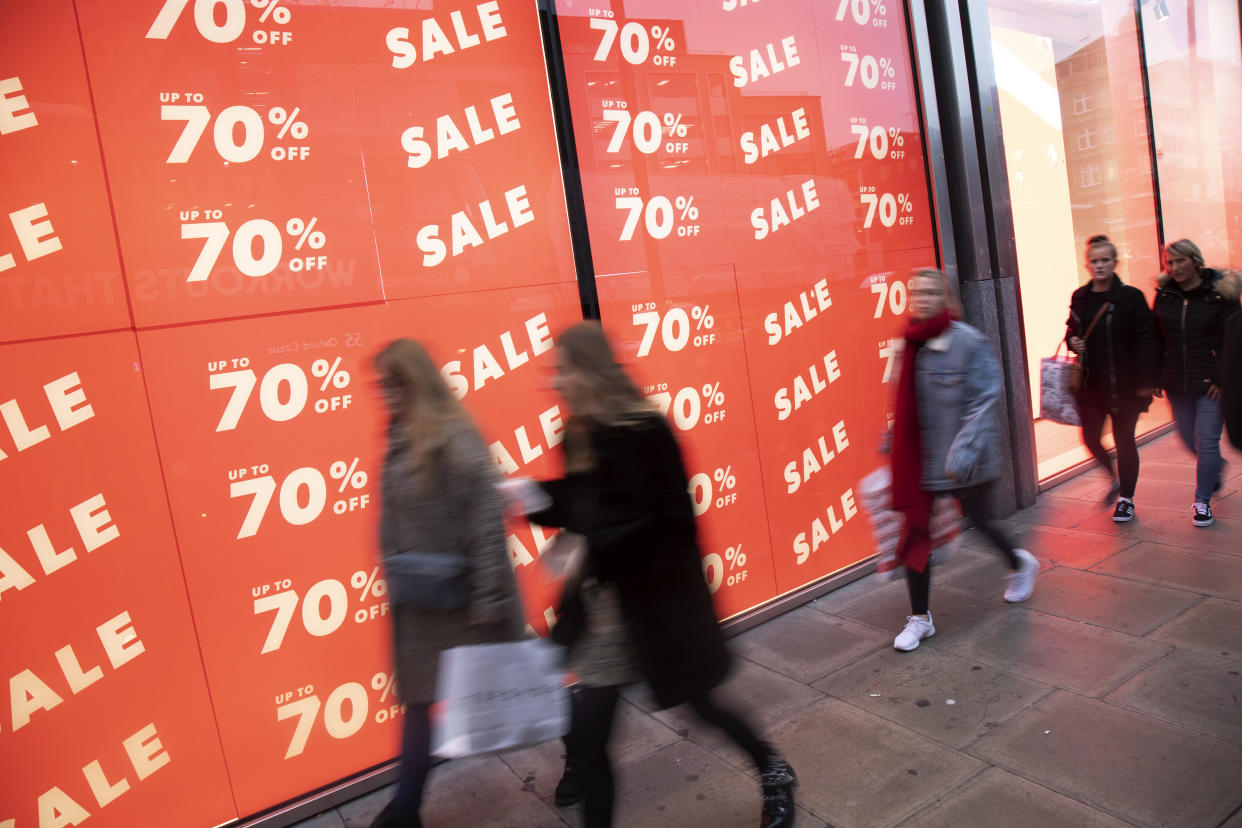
[{"x": 1096, "y": 320}]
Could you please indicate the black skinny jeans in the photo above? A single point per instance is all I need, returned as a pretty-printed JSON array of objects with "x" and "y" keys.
[
  {"x": 593, "y": 712},
  {"x": 1092, "y": 413},
  {"x": 415, "y": 758},
  {"x": 977, "y": 506}
]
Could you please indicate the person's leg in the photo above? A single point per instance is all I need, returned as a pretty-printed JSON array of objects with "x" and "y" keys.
[
  {"x": 1209, "y": 419},
  {"x": 1092, "y": 415},
  {"x": 569, "y": 789},
  {"x": 976, "y": 505},
  {"x": 402, "y": 811},
  {"x": 596, "y": 708},
  {"x": 1183, "y": 408},
  {"x": 734, "y": 727},
  {"x": 919, "y": 586},
  {"x": 1124, "y": 424}
]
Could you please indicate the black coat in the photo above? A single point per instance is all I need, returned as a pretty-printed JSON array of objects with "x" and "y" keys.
[
  {"x": 1233, "y": 379},
  {"x": 636, "y": 513},
  {"x": 1123, "y": 353},
  {"x": 1192, "y": 330}
]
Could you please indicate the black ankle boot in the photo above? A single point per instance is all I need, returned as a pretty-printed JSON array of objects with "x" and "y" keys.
[
  {"x": 778, "y": 780},
  {"x": 570, "y": 790}
]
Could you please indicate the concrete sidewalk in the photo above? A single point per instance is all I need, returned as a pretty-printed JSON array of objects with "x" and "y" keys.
[{"x": 1112, "y": 697}]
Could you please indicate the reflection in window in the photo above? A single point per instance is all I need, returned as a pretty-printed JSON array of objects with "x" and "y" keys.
[
  {"x": 1079, "y": 163},
  {"x": 1194, "y": 64}
]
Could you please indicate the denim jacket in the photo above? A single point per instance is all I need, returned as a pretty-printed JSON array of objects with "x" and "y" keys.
[{"x": 959, "y": 383}]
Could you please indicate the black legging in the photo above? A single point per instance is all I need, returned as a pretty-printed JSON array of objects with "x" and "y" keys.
[
  {"x": 593, "y": 712},
  {"x": 976, "y": 505},
  {"x": 1092, "y": 413},
  {"x": 415, "y": 757}
]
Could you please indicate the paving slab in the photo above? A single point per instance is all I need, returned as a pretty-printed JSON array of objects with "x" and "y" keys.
[
  {"x": 1059, "y": 511},
  {"x": 1209, "y": 573},
  {"x": 1199, "y": 691},
  {"x": 805, "y": 644},
  {"x": 763, "y": 696},
  {"x": 1074, "y": 547},
  {"x": 1234, "y": 821},
  {"x": 857, "y": 769},
  {"x": 984, "y": 579},
  {"x": 1106, "y": 601},
  {"x": 685, "y": 784},
  {"x": 1176, "y": 529},
  {"x": 635, "y": 735},
  {"x": 1067, "y": 654},
  {"x": 1124, "y": 763},
  {"x": 934, "y": 693},
  {"x": 464, "y": 793},
  {"x": 328, "y": 819},
  {"x": 998, "y": 798},
  {"x": 1214, "y": 626},
  {"x": 953, "y": 611}
]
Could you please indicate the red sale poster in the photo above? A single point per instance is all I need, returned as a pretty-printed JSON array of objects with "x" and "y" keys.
[
  {"x": 462, "y": 166},
  {"x": 782, "y": 145},
  {"x": 271, "y": 440},
  {"x": 59, "y": 272},
  {"x": 231, "y": 129},
  {"x": 682, "y": 339},
  {"x": 496, "y": 351},
  {"x": 107, "y": 714}
]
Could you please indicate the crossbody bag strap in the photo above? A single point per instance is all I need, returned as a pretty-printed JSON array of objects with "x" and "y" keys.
[{"x": 1096, "y": 320}]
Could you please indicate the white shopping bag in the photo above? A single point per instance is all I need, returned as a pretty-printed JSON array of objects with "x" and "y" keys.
[
  {"x": 1056, "y": 403},
  {"x": 498, "y": 696}
]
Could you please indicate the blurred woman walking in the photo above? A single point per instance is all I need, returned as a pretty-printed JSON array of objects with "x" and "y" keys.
[
  {"x": 946, "y": 440},
  {"x": 1112, "y": 330},
  {"x": 438, "y": 496},
  {"x": 626, "y": 491}
]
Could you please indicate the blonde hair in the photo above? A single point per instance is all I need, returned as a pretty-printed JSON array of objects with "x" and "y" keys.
[
  {"x": 952, "y": 302},
  {"x": 1187, "y": 250},
  {"x": 426, "y": 408}
]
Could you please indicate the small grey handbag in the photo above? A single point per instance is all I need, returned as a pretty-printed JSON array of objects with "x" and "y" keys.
[{"x": 428, "y": 580}]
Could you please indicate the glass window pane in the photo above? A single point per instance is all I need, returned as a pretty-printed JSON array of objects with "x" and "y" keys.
[
  {"x": 1194, "y": 65},
  {"x": 1075, "y": 133}
]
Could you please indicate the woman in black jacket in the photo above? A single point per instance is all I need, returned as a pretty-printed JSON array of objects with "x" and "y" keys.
[
  {"x": 1121, "y": 366},
  {"x": 1193, "y": 304},
  {"x": 626, "y": 491}
]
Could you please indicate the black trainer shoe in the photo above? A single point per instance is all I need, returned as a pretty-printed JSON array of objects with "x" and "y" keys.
[
  {"x": 1203, "y": 514},
  {"x": 1124, "y": 513},
  {"x": 778, "y": 780},
  {"x": 570, "y": 790}
]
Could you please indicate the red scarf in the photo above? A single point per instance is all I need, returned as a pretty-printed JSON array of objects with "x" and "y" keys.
[{"x": 906, "y": 456}]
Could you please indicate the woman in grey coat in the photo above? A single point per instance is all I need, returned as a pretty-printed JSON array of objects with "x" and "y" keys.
[
  {"x": 946, "y": 440},
  {"x": 438, "y": 495}
]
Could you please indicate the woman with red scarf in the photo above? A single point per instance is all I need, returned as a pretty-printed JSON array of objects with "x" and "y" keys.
[{"x": 946, "y": 440}]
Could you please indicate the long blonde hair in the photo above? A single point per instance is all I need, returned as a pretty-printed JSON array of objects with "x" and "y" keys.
[
  {"x": 426, "y": 410},
  {"x": 605, "y": 394}
]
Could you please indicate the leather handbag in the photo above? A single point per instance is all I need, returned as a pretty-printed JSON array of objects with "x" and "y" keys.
[{"x": 428, "y": 580}]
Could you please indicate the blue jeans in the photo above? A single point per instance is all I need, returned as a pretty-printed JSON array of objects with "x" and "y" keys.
[{"x": 1199, "y": 421}]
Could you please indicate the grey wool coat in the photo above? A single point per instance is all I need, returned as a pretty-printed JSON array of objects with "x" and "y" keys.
[{"x": 453, "y": 507}]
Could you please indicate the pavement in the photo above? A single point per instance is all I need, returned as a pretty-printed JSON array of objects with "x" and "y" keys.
[{"x": 1111, "y": 697}]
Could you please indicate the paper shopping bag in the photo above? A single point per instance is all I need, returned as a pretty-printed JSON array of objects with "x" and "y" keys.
[{"x": 498, "y": 696}]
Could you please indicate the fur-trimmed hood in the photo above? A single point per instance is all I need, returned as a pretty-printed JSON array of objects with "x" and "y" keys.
[{"x": 1225, "y": 281}]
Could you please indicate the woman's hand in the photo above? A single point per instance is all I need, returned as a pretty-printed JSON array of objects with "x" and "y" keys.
[
  {"x": 1213, "y": 393},
  {"x": 1077, "y": 345}
]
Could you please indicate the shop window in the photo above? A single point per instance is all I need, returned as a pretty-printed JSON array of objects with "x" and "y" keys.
[{"x": 1067, "y": 144}]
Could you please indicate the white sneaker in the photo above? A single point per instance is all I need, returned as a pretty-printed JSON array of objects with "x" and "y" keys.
[
  {"x": 1022, "y": 582},
  {"x": 916, "y": 630}
]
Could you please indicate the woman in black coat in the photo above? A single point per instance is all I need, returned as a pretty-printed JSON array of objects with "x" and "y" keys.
[
  {"x": 626, "y": 491},
  {"x": 1121, "y": 366},
  {"x": 1193, "y": 305}
]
